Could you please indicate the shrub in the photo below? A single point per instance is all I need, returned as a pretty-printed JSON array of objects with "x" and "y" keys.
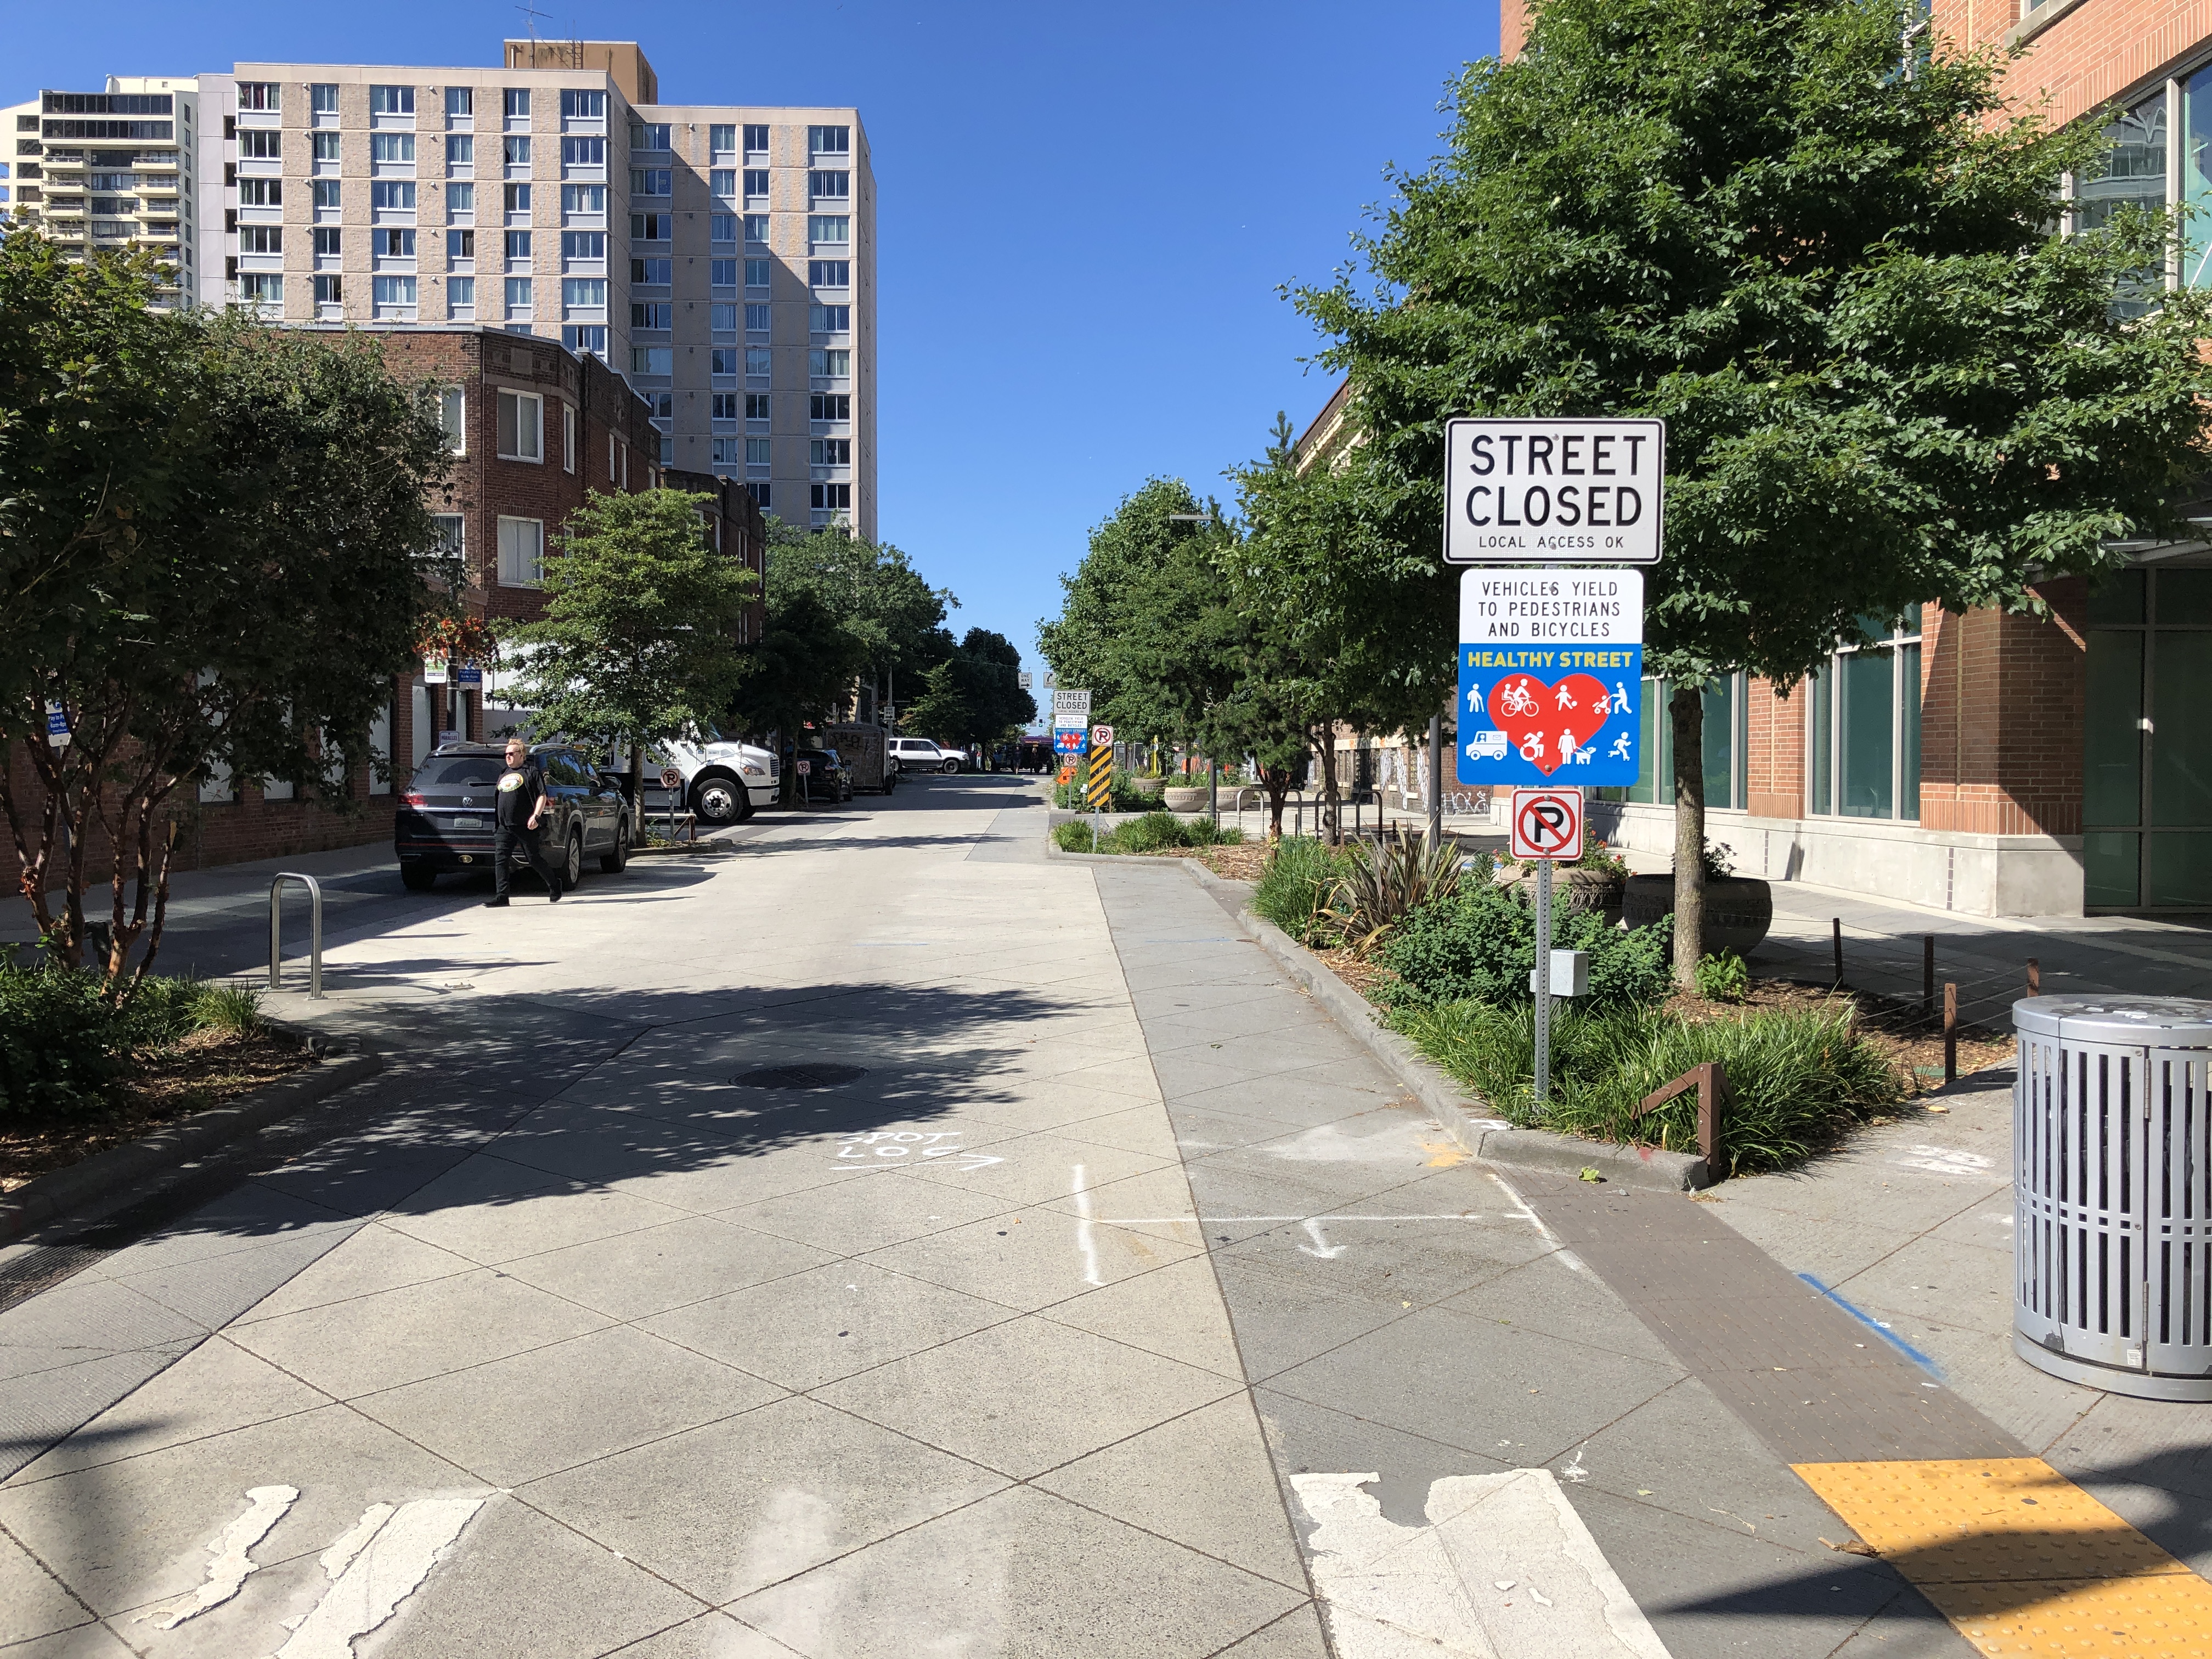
[
  {"x": 1797, "y": 1077},
  {"x": 232, "y": 1010},
  {"x": 1149, "y": 833},
  {"x": 1384, "y": 882},
  {"x": 1295, "y": 888},
  {"x": 1121, "y": 792},
  {"x": 63, "y": 1050},
  {"x": 1722, "y": 977},
  {"x": 1481, "y": 943},
  {"x": 1073, "y": 836}
]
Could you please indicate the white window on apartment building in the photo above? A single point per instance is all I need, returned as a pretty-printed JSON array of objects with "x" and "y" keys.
[
  {"x": 393, "y": 298},
  {"x": 517, "y": 107},
  {"x": 756, "y": 227},
  {"x": 521, "y": 552},
  {"x": 461, "y": 299},
  {"x": 725, "y": 453},
  {"x": 329, "y": 149},
  {"x": 583, "y": 202},
  {"x": 519, "y": 299},
  {"x": 259, "y": 95},
  {"x": 460, "y": 103},
  {"x": 648, "y": 135},
  {"x": 580, "y": 104},
  {"x": 832, "y": 229},
  {"x": 722, "y": 227},
  {"x": 835, "y": 363},
  {"x": 391, "y": 149},
  {"x": 568, "y": 437},
  {"x": 829, "y": 141},
  {"x": 759, "y": 452},
  {"x": 758, "y": 362},
  {"x": 453, "y": 417},
  {"x": 828, "y": 186},
  {"x": 266, "y": 292},
  {"x": 653, "y": 360},
  {"x": 830, "y": 320},
  {"x": 461, "y": 203},
  {"x": 261, "y": 144},
  {"x": 584, "y": 296},
  {"x": 392, "y": 100},
  {"x": 323, "y": 98},
  {"x": 756, "y": 142},
  {"x": 460, "y": 152},
  {"x": 522, "y": 426},
  {"x": 650, "y": 181},
  {"x": 722, "y": 141}
]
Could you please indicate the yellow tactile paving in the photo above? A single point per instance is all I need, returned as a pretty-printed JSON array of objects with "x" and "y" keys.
[{"x": 2020, "y": 1560}]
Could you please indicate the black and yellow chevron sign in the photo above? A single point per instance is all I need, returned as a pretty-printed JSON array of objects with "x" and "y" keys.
[{"x": 1099, "y": 786}]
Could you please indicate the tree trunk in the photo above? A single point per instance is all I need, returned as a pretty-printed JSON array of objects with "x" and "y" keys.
[
  {"x": 1332, "y": 826},
  {"x": 1276, "y": 780},
  {"x": 1689, "y": 709},
  {"x": 637, "y": 792}
]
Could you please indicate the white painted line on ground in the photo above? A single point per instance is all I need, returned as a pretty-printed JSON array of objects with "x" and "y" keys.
[
  {"x": 1230, "y": 1220},
  {"x": 1945, "y": 1161},
  {"x": 1524, "y": 1213},
  {"x": 1085, "y": 1239},
  {"x": 229, "y": 1564},
  {"x": 380, "y": 1562},
  {"x": 1504, "y": 1569}
]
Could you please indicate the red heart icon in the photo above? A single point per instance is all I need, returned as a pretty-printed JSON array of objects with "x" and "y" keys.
[{"x": 1547, "y": 723}]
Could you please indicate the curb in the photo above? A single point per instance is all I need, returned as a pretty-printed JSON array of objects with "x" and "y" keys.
[
  {"x": 1482, "y": 1136},
  {"x": 54, "y": 1195}
]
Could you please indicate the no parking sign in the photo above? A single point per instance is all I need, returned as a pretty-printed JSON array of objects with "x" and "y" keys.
[{"x": 1547, "y": 824}]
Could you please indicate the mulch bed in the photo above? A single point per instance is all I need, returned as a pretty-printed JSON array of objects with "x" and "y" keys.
[{"x": 206, "y": 1069}]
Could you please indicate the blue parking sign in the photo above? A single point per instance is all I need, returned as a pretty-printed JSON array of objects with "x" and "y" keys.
[{"x": 1551, "y": 666}]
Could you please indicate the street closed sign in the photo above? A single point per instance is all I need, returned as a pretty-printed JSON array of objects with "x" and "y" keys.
[{"x": 1553, "y": 491}]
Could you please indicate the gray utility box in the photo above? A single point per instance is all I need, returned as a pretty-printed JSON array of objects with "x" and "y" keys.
[{"x": 2113, "y": 1192}]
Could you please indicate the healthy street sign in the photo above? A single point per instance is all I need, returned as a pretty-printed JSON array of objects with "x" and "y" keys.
[
  {"x": 1551, "y": 666},
  {"x": 1553, "y": 491}
]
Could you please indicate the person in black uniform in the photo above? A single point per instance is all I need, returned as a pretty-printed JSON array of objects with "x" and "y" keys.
[{"x": 522, "y": 803}]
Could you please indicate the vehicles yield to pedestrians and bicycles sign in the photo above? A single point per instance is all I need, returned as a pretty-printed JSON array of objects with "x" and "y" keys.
[{"x": 1551, "y": 676}]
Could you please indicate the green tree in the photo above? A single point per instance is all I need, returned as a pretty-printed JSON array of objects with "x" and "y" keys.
[
  {"x": 1141, "y": 624},
  {"x": 1885, "y": 381},
  {"x": 639, "y": 639},
  {"x": 805, "y": 664},
  {"x": 975, "y": 695},
  {"x": 251, "y": 620},
  {"x": 894, "y": 615},
  {"x": 1356, "y": 631}
]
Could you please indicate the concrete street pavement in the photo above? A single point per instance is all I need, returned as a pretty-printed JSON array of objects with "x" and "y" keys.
[{"x": 879, "y": 1239}]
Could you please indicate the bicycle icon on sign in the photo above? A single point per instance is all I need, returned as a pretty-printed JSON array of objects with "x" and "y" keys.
[{"x": 1517, "y": 699}]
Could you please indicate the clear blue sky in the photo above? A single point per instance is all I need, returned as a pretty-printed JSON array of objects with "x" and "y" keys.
[{"x": 1084, "y": 215}]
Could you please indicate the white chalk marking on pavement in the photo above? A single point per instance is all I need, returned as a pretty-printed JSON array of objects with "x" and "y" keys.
[
  {"x": 1329, "y": 1144},
  {"x": 1945, "y": 1161},
  {"x": 1086, "y": 1241},
  {"x": 1504, "y": 1569},
  {"x": 1320, "y": 1246},
  {"x": 394, "y": 1554},
  {"x": 868, "y": 1151},
  {"x": 1525, "y": 1213},
  {"x": 229, "y": 1564}
]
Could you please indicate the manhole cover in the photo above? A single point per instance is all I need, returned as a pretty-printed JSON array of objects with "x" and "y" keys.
[{"x": 799, "y": 1076}]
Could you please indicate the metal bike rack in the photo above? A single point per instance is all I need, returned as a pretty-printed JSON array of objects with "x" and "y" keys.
[{"x": 315, "y": 930}]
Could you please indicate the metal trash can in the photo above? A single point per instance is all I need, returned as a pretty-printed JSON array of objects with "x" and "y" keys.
[{"x": 2113, "y": 1192}]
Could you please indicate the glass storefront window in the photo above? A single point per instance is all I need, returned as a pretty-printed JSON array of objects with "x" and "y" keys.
[
  {"x": 2197, "y": 177},
  {"x": 1864, "y": 712},
  {"x": 1722, "y": 745}
]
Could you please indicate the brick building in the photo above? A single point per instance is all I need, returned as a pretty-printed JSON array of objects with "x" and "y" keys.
[
  {"x": 534, "y": 427},
  {"x": 1992, "y": 764}
]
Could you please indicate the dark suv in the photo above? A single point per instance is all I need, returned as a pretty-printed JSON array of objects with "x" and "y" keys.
[
  {"x": 445, "y": 819},
  {"x": 828, "y": 778}
]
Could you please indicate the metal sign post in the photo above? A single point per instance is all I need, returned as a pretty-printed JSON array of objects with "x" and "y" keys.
[
  {"x": 805, "y": 768},
  {"x": 671, "y": 781},
  {"x": 1546, "y": 826}
]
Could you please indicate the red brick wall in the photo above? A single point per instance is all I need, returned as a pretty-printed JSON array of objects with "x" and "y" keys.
[
  {"x": 1774, "y": 750},
  {"x": 1512, "y": 27},
  {"x": 2095, "y": 52},
  {"x": 2001, "y": 713}
]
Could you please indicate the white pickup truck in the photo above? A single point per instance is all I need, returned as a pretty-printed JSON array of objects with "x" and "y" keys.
[{"x": 723, "y": 781}]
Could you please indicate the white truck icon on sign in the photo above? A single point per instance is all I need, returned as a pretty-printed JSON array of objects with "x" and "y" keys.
[{"x": 1487, "y": 746}]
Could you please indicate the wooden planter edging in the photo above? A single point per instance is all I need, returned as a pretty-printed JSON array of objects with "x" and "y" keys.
[{"x": 58, "y": 1191}]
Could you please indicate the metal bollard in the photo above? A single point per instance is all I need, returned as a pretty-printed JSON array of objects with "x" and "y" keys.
[{"x": 314, "y": 931}]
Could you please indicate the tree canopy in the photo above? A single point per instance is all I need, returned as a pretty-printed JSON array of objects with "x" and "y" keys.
[
  {"x": 225, "y": 581},
  {"x": 975, "y": 695},
  {"x": 1833, "y": 273},
  {"x": 639, "y": 638}
]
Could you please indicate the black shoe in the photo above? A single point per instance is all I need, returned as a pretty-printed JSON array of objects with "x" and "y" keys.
[
  {"x": 499, "y": 904},
  {"x": 555, "y": 886}
]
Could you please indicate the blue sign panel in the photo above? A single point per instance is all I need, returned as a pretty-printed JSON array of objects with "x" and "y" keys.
[
  {"x": 1068, "y": 740},
  {"x": 1551, "y": 667},
  {"x": 469, "y": 676}
]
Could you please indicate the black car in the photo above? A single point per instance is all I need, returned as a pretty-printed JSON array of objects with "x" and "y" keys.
[
  {"x": 828, "y": 778},
  {"x": 445, "y": 819}
]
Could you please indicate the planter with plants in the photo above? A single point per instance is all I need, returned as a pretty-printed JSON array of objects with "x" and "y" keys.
[
  {"x": 1182, "y": 797},
  {"x": 1597, "y": 881},
  {"x": 1739, "y": 909}
]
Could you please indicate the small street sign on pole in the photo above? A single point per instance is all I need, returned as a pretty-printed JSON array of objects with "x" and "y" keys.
[
  {"x": 57, "y": 731},
  {"x": 435, "y": 670},
  {"x": 1546, "y": 825}
]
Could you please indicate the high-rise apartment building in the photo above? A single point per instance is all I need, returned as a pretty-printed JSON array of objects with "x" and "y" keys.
[
  {"x": 721, "y": 257},
  {"x": 112, "y": 168}
]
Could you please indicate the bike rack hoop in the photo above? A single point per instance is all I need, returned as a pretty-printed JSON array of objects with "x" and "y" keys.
[{"x": 314, "y": 931}]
